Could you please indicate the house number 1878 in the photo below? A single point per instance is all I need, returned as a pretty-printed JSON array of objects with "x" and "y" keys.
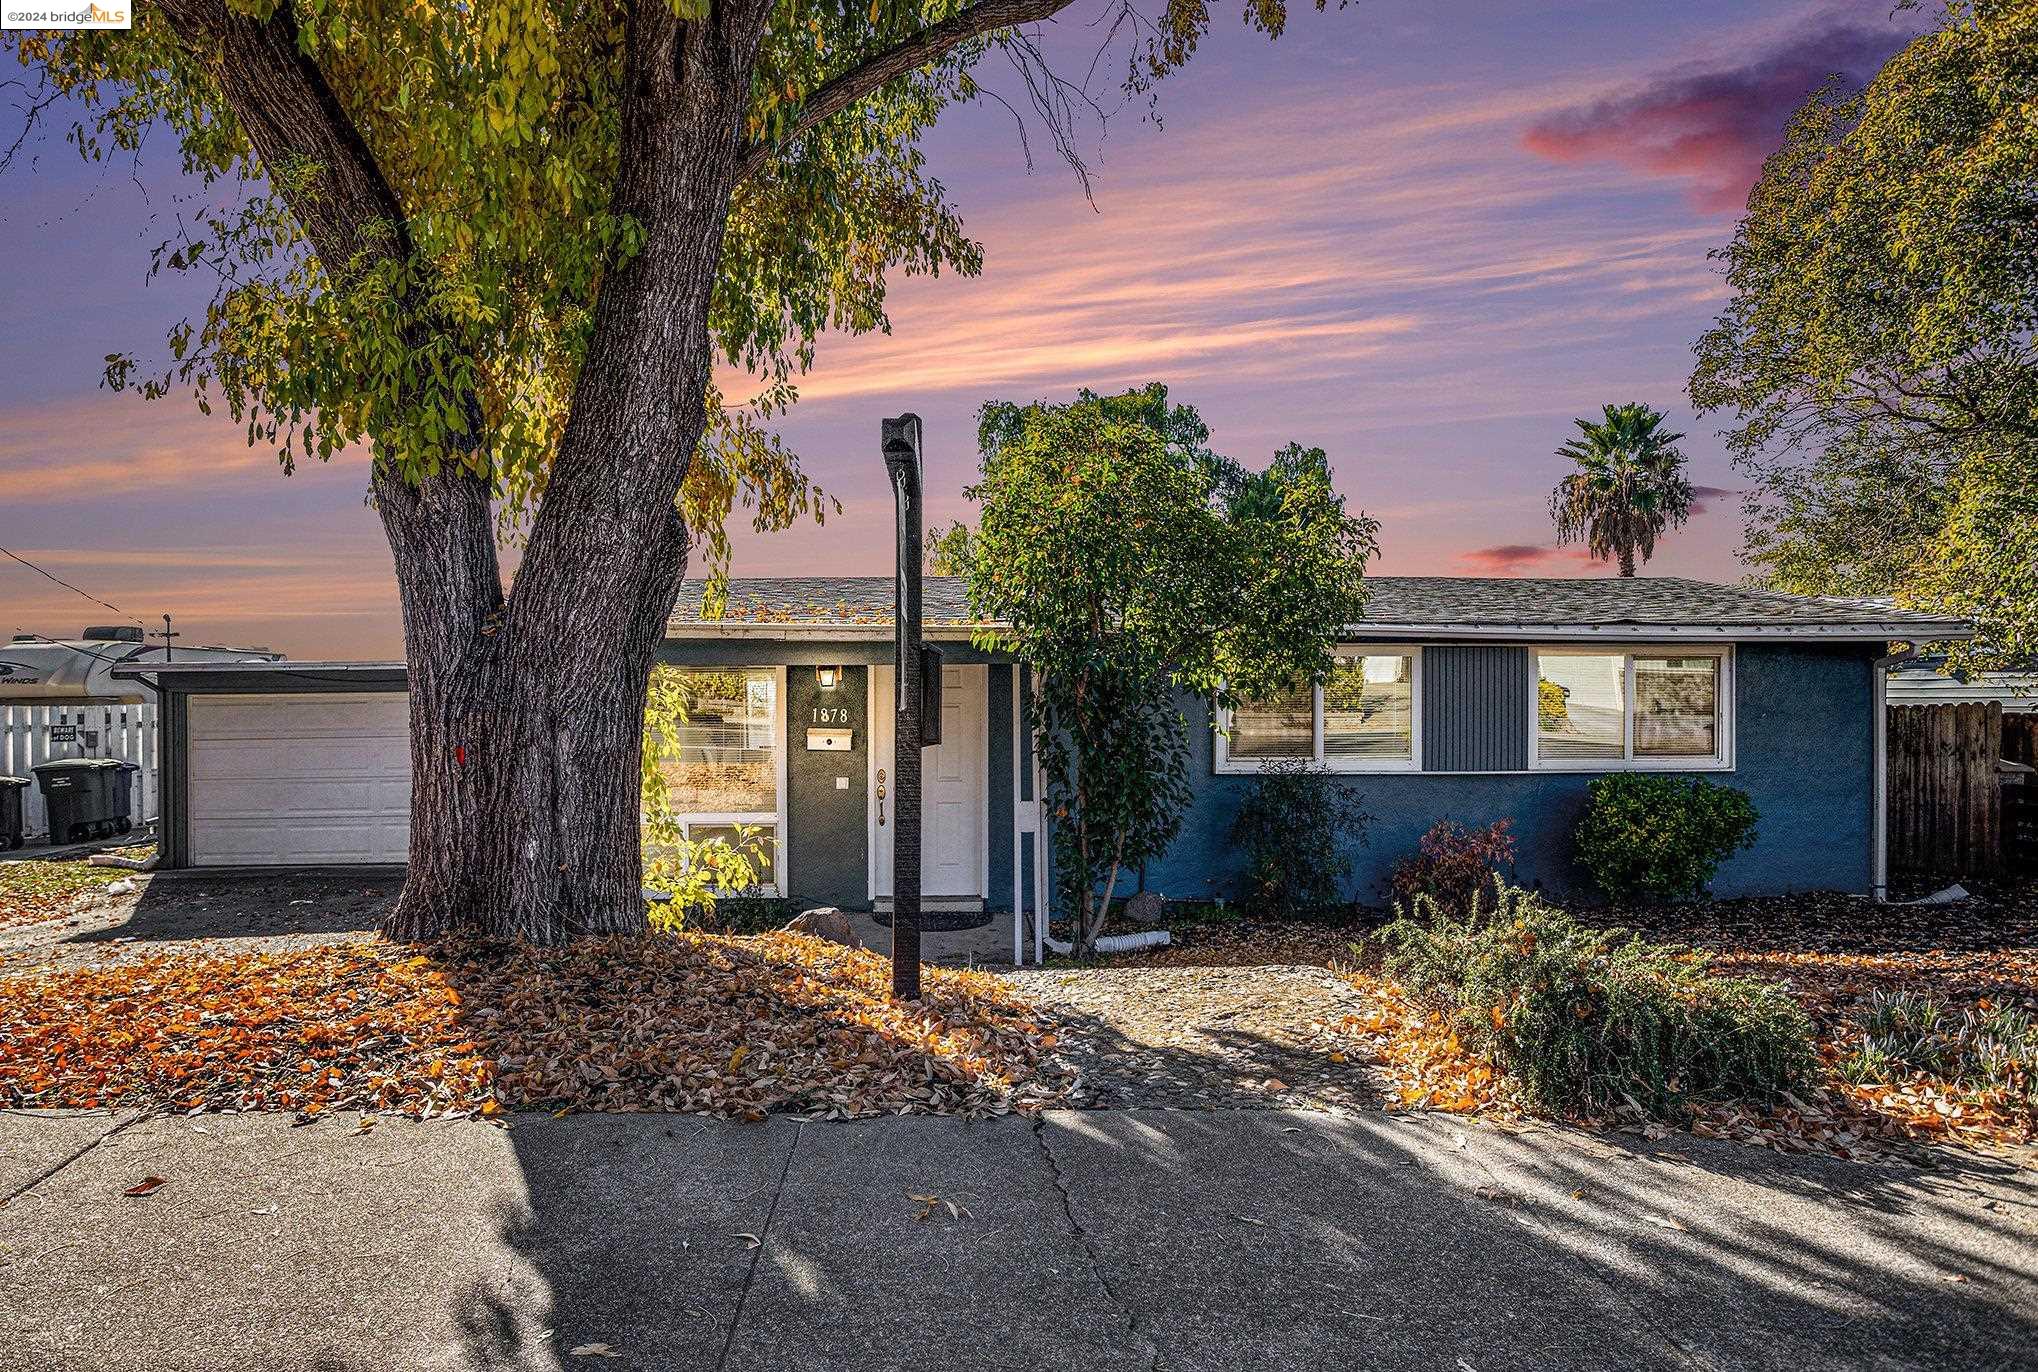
[{"x": 831, "y": 714}]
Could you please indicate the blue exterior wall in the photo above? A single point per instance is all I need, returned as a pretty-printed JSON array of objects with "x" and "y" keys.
[
  {"x": 1804, "y": 741},
  {"x": 1803, "y": 752}
]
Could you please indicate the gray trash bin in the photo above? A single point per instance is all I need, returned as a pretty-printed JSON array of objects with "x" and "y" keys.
[
  {"x": 87, "y": 797},
  {"x": 13, "y": 791}
]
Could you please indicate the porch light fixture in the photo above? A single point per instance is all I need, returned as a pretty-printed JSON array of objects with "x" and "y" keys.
[{"x": 828, "y": 678}]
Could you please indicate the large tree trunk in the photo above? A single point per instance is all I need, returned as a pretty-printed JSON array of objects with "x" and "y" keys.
[
  {"x": 527, "y": 716},
  {"x": 531, "y": 710},
  {"x": 527, "y": 711}
]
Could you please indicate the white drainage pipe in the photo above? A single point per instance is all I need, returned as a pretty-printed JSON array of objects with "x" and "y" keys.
[{"x": 1118, "y": 943}]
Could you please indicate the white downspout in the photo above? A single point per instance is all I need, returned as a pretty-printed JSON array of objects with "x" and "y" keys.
[
  {"x": 1018, "y": 899},
  {"x": 1879, "y": 875}
]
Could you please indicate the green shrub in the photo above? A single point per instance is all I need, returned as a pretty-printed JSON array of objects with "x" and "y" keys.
[
  {"x": 1295, "y": 827},
  {"x": 1986, "y": 1049},
  {"x": 1454, "y": 866},
  {"x": 1588, "y": 1021},
  {"x": 1656, "y": 837}
]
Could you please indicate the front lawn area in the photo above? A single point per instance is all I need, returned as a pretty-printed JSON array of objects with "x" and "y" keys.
[
  {"x": 1839, "y": 958},
  {"x": 707, "y": 1024}
]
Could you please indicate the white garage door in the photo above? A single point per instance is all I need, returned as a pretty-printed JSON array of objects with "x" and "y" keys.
[{"x": 277, "y": 780}]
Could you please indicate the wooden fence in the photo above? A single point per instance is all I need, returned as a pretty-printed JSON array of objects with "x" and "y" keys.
[
  {"x": 37, "y": 733},
  {"x": 1954, "y": 808}
]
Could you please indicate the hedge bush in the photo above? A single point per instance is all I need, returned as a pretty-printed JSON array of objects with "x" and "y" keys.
[
  {"x": 1657, "y": 837},
  {"x": 1295, "y": 828},
  {"x": 1588, "y": 1021}
]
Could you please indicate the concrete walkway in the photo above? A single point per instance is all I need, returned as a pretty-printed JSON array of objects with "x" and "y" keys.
[{"x": 1169, "y": 1240}]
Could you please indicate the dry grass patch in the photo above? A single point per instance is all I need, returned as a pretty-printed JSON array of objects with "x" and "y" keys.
[{"x": 707, "y": 1024}]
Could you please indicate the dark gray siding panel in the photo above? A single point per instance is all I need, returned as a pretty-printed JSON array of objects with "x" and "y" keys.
[
  {"x": 1025, "y": 675},
  {"x": 998, "y": 876},
  {"x": 826, "y": 836},
  {"x": 173, "y": 801},
  {"x": 1475, "y": 708}
]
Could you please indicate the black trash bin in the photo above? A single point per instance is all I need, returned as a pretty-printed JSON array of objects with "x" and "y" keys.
[
  {"x": 87, "y": 797},
  {"x": 13, "y": 791}
]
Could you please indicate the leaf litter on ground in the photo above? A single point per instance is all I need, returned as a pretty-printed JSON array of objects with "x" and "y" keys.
[{"x": 710, "y": 1024}]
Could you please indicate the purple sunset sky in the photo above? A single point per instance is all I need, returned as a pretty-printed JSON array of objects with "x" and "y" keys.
[{"x": 1421, "y": 237}]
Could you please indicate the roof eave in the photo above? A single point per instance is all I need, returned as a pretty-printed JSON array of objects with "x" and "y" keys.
[
  {"x": 1861, "y": 632},
  {"x": 1864, "y": 632},
  {"x": 951, "y": 633}
]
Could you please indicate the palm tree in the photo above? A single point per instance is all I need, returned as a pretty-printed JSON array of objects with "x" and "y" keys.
[{"x": 1629, "y": 486}]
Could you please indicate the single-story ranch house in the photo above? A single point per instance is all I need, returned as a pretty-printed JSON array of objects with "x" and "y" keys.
[{"x": 1458, "y": 698}]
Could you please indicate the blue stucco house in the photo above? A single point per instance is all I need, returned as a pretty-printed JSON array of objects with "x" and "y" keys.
[
  {"x": 1457, "y": 698},
  {"x": 1471, "y": 699}
]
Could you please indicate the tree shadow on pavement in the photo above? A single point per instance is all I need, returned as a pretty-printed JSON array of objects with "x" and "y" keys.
[
  {"x": 292, "y": 904},
  {"x": 1240, "y": 1239}
]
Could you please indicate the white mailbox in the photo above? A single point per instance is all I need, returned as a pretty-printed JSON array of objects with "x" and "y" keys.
[{"x": 830, "y": 740}]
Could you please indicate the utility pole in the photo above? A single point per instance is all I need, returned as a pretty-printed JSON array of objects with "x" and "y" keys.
[
  {"x": 164, "y": 633},
  {"x": 901, "y": 439}
]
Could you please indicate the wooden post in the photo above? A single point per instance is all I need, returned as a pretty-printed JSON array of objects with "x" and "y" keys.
[{"x": 901, "y": 438}]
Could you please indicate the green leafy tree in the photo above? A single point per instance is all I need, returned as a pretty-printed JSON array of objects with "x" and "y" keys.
[
  {"x": 1125, "y": 561},
  {"x": 1629, "y": 486},
  {"x": 1880, "y": 354},
  {"x": 501, "y": 247}
]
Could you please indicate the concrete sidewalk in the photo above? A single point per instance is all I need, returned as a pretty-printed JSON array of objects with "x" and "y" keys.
[{"x": 1170, "y": 1240}]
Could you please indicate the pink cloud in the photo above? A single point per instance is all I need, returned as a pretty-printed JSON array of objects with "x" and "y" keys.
[
  {"x": 1712, "y": 129},
  {"x": 1512, "y": 559},
  {"x": 1702, "y": 497}
]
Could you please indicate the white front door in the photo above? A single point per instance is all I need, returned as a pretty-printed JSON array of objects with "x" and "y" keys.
[{"x": 954, "y": 799}]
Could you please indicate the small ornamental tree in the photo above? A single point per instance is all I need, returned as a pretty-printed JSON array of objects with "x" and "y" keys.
[{"x": 1124, "y": 562}]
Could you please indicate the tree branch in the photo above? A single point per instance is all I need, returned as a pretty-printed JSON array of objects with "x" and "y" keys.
[
  {"x": 909, "y": 54},
  {"x": 307, "y": 144}
]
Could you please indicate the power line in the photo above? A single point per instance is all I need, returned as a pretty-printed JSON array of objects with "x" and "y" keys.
[{"x": 52, "y": 576}]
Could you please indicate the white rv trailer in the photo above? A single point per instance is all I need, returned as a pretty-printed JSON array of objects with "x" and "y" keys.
[{"x": 59, "y": 698}]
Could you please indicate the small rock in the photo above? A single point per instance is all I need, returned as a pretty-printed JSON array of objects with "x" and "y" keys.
[
  {"x": 826, "y": 922},
  {"x": 123, "y": 887},
  {"x": 1146, "y": 908}
]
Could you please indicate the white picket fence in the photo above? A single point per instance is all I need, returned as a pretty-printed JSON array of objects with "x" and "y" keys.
[{"x": 37, "y": 733}]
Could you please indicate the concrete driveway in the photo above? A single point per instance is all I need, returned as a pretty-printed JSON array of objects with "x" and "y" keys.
[{"x": 1169, "y": 1240}]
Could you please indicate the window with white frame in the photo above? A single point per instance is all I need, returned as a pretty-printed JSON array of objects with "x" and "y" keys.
[
  {"x": 728, "y": 772},
  {"x": 1363, "y": 717},
  {"x": 1654, "y": 709}
]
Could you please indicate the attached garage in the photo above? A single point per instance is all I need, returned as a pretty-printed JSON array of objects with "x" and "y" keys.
[
  {"x": 284, "y": 780},
  {"x": 285, "y": 764}
]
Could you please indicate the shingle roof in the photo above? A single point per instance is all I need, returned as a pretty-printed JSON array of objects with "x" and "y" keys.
[{"x": 1396, "y": 603}]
